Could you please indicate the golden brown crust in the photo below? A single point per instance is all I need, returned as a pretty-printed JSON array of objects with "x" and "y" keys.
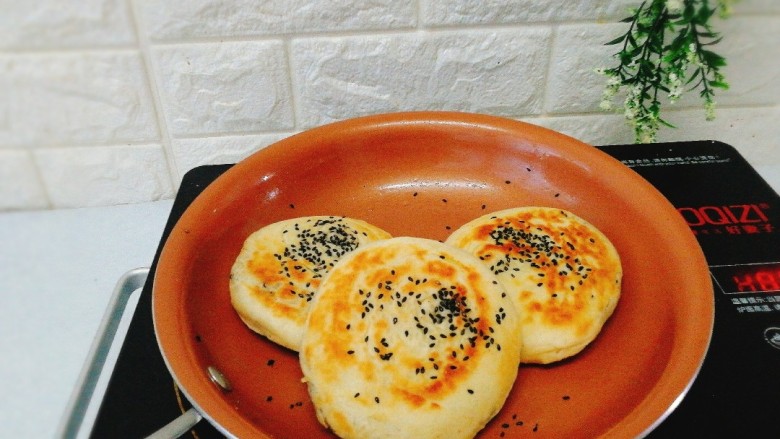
[
  {"x": 410, "y": 338},
  {"x": 281, "y": 266},
  {"x": 562, "y": 272}
]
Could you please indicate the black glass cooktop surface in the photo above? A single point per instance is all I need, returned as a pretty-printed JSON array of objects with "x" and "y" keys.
[{"x": 732, "y": 211}]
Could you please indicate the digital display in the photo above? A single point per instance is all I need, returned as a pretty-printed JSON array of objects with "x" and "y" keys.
[
  {"x": 748, "y": 278},
  {"x": 757, "y": 281}
]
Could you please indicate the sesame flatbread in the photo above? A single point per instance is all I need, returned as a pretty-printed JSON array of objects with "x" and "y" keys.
[
  {"x": 280, "y": 267},
  {"x": 563, "y": 274},
  {"x": 409, "y": 337}
]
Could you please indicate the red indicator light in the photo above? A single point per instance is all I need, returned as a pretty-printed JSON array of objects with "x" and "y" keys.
[{"x": 758, "y": 280}]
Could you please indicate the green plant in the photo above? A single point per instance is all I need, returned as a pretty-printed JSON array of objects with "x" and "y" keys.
[{"x": 666, "y": 51}]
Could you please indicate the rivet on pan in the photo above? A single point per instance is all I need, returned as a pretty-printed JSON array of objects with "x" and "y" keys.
[{"x": 219, "y": 379}]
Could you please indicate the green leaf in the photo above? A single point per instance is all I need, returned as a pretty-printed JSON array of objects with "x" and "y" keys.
[
  {"x": 711, "y": 43},
  {"x": 657, "y": 45},
  {"x": 707, "y": 34},
  {"x": 631, "y": 39},
  {"x": 712, "y": 59},
  {"x": 720, "y": 84},
  {"x": 705, "y": 13},
  {"x": 696, "y": 73},
  {"x": 681, "y": 23},
  {"x": 695, "y": 86},
  {"x": 689, "y": 12},
  {"x": 616, "y": 41},
  {"x": 635, "y": 52}
]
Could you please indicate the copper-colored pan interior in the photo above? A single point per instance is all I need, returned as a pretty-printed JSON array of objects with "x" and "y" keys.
[{"x": 425, "y": 174}]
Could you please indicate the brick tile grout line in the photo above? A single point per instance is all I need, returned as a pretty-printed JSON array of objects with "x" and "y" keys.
[
  {"x": 144, "y": 46},
  {"x": 548, "y": 73}
]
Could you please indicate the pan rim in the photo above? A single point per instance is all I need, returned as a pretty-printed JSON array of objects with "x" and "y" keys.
[{"x": 416, "y": 120}]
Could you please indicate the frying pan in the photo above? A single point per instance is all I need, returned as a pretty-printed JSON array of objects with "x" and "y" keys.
[{"x": 424, "y": 174}]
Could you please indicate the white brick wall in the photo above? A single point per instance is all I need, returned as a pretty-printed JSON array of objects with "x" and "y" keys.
[{"x": 111, "y": 101}]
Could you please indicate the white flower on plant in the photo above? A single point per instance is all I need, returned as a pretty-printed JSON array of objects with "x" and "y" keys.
[
  {"x": 630, "y": 113},
  {"x": 611, "y": 89},
  {"x": 647, "y": 65},
  {"x": 709, "y": 110},
  {"x": 675, "y": 87},
  {"x": 631, "y": 104},
  {"x": 646, "y": 135},
  {"x": 634, "y": 95},
  {"x": 646, "y": 127},
  {"x": 674, "y": 94},
  {"x": 692, "y": 56}
]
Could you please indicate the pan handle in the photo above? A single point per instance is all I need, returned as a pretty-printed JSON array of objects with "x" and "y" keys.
[{"x": 178, "y": 426}]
